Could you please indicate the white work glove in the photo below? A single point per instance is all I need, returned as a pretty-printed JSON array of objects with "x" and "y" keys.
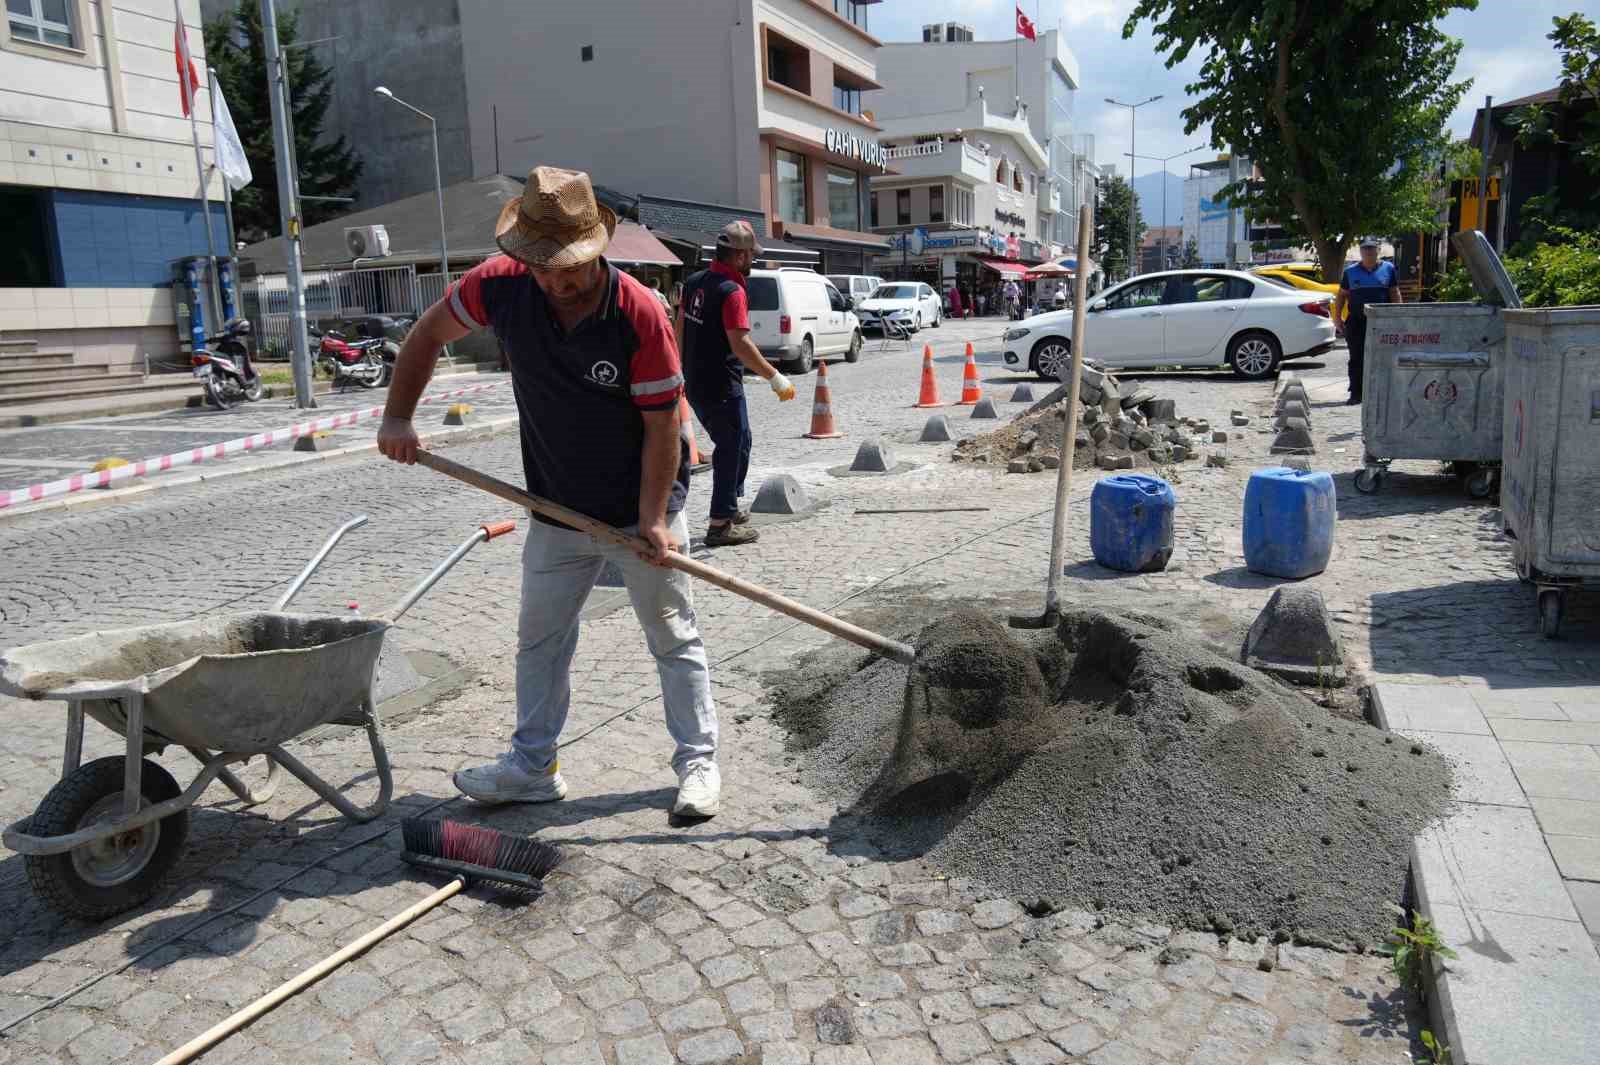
[{"x": 780, "y": 385}]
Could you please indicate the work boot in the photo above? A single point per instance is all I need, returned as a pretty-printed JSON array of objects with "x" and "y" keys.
[
  {"x": 504, "y": 780},
  {"x": 742, "y": 517},
  {"x": 729, "y": 534},
  {"x": 699, "y": 789}
]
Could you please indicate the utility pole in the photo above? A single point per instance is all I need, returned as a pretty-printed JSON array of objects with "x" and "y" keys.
[
  {"x": 1133, "y": 148},
  {"x": 1163, "y": 160},
  {"x": 288, "y": 204}
]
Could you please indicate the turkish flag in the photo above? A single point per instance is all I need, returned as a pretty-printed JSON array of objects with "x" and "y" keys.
[
  {"x": 1025, "y": 26},
  {"x": 188, "y": 76}
]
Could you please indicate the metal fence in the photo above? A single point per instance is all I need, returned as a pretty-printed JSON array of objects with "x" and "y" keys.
[{"x": 336, "y": 295}]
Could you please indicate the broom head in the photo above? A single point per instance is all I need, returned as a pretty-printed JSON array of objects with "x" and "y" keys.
[{"x": 513, "y": 864}]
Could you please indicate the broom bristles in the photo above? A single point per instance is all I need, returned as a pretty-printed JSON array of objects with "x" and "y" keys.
[{"x": 487, "y": 851}]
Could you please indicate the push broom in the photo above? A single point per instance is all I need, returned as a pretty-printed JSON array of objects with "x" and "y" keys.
[{"x": 470, "y": 854}]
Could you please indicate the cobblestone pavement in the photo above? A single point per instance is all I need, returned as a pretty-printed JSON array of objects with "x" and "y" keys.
[{"x": 772, "y": 932}]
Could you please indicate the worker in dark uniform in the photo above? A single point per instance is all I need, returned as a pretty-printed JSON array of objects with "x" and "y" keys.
[
  {"x": 1364, "y": 282},
  {"x": 713, "y": 330}
]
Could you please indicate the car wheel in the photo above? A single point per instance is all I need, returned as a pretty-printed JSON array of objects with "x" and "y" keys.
[
  {"x": 1050, "y": 357},
  {"x": 853, "y": 352},
  {"x": 1254, "y": 355},
  {"x": 802, "y": 362},
  {"x": 938, "y": 319},
  {"x": 917, "y": 328}
]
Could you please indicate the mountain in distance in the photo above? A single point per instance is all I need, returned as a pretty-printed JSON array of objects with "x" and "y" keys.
[{"x": 1148, "y": 186}]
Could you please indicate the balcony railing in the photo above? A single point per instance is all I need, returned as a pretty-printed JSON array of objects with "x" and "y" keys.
[
  {"x": 976, "y": 154},
  {"x": 915, "y": 151}
]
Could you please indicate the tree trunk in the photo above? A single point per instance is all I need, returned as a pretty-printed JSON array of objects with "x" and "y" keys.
[{"x": 1330, "y": 254}]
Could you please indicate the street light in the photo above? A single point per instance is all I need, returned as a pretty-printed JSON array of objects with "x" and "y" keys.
[
  {"x": 1163, "y": 160},
  {"x": 1133, "y": 146},
  {"x": 438, "y": 183}
]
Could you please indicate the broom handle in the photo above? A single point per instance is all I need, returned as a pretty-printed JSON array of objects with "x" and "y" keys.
[
  {"x": 222, "y": 1029},
  {"x": 1069, "y": 427},
  {"x": 727, "y": 582}
]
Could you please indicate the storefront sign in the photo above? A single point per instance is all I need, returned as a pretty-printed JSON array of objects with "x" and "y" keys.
[
  {"x": 846, "y": 143},
  {"x": 1010, "y": 219},
  {"x": 921, "y": 240}
]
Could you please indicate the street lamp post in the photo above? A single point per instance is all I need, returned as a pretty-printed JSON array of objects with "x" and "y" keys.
[
  {"x": 1163, "y": 160},
  {"x": 1133, "y": 146},
  {"x": 438, "y": 183}
]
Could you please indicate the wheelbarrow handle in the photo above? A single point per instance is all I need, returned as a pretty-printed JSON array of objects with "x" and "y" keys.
[
  {"x": 487, "y": 531},
  {"x": 316, "y": 560}
]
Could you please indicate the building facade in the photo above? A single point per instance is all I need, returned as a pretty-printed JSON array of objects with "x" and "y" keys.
[
  {"x": 1039, "y": 78},
  {"x": 98, "y": 189},
  {"x": 972, "y": 196}
]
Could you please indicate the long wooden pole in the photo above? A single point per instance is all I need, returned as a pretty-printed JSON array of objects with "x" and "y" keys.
[
  {"x": 710, "y": 574},
  {"x": 1069, "y": 425}
]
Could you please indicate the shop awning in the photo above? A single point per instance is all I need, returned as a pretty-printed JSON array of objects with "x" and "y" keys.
[
  {"x": 705, "y": 246},
  {"x": 1006, "y": 268},
  {"x": 634, "y": 245}
]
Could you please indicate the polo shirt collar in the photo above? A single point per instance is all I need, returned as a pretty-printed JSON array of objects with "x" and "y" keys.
[{"x": 729, "y": 272}]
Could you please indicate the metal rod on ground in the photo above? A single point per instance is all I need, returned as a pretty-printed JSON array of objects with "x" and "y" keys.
[
  {"x": 872, "y": 641},
  {"x": 922, "y": 510},
  {"x": 288, "y": 204},
  {"x": 1069, "y": 438}
]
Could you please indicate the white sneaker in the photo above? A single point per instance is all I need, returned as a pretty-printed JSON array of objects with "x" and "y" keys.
[
  {"x": 699, "y": 789},
  {"x": 504, "y": 780}
]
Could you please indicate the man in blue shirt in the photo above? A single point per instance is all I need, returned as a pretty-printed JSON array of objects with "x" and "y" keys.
[{"x": 1368, "y": 281}]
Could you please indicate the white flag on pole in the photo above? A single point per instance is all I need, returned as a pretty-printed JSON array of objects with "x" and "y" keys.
[{"x": 231, "y": 159}]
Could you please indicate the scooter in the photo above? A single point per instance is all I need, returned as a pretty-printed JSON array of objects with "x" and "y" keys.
[
  {"x": 368, "y": 362},
  {"x": 223, "y": 366}
]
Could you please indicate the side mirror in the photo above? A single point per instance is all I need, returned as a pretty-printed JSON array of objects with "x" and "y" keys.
[{"x": 1097, "y": 305}]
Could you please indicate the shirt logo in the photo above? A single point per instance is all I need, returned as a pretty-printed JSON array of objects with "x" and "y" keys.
[
  {"x": 603, "y": 373},
  {"x": 697, "y": 305}
]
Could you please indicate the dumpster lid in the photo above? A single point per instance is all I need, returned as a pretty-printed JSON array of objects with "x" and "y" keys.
[{"x": 1489, "y": 275}]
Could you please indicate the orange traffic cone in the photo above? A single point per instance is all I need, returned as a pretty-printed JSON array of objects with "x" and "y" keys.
[
  {"x": 930, "y": 384},
  {"x": 970, "y": 390},
  {"x": 822, "y": 427},
  {"x": 686, "y": 427}
]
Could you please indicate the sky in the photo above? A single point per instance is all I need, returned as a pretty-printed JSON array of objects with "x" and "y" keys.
[{"x": 1506, "y": 55}]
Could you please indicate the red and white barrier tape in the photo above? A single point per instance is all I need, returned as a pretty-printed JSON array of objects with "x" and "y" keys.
[{"x": 79, "y": 481}]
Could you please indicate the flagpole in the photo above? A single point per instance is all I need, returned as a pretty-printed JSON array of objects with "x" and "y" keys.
[
  {"x": 227, "y": 187},
  {"x": 185, "y": 87}
]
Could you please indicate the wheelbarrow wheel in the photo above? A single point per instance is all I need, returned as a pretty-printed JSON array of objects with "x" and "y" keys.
[{"x": 98, "y": 880}]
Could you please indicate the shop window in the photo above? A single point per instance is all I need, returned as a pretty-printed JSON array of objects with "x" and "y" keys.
[
  {"x": 1016, "y": 179},
  {"x": 1000, "y": 172},
  {"x": 43, "y": 21},
  {"x": 936, "y": 203},
  {"x": 24, "y": 233},
  {"x": 844, "y": 199},
  {"x": 902, "y": 207},
  {"x": 788, "y": 63},
  {"x": 791, "y": 174}
]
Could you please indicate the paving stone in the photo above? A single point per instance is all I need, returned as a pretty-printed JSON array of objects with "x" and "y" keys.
[
  {"x": 693, "y": 1016},
  {"x": 1240, "y": 1023},
  {"x": 816, "y": 918},
  {"x": 902, "y": 955},
  {"x": 959, "y": 1042},
  {"x": 624, "y": 1017},
  {"x": 1118, "y": 1053},
  {"x": 643, "y": 955},
  {"x": 349, "y": 991},
  {"x": 147, "y": 1007},
  {"x": 750, "y": 996},
  {"x": 535, "y": 996},
  {"x": 102, "y": 1043},
  {"x": 582, "y": 964},
  {"x": 874, "y": 986},
  {"x": 707, "y": 943},
  {"x": 909, "y": 1051},
  {"x": 564, "y": 1025},
  {"x": 885, "y": 1020},
  {"x": 1146, "y": 995},
  {"x": 835, "y": 1024},
  {"x": 1104, "y": 977},
  {"x": 1252, "y": 985},
  {"x": 1078, "y": 1039},
  {"x": 809, "y": 994},
  {"x": 773, "y": 1026},
  {"x": 735, "y": 915},
  {"x": 1328, "y": 964},
  {"x": 677, "y": 921},
  {"x": 841, "y": 1055},
  {"x": 1034, "y": 1052},
  {"x": 923, "y": 893},
  {"x": 987, "y": 996},
  {"x": 861, "y": 904},
  {"x": 674, "y": 984},
  {"x": 770, "y": 932},
  {"x": 645, "y": 1050},
  {"x": 509, "y": 1049},
  {"x": 722, "y": 971},
  {"x": 606, "y": 991},
  {"x": 709, "y": 1048},
  {"x": 1007, "y": 1025},
  {"x": 586, "y": 1052},
  {"x": 779, "y": 1053},
  {"x": 474, "y": 1024},
  {"x": 939, "y": 922},
  {"x": 790, "y": 963}
]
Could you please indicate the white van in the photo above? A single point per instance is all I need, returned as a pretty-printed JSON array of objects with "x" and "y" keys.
[
  {"x": 855, "y": 287},
  {"x": 797, "y": 317}
]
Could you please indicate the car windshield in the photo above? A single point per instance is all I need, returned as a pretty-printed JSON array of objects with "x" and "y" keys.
[
  {"x": 840, "y": 281},
  {"x": 761, "y": 293},
  {"x": 895, "y": 292},
  {"x": 1280, "y": 282}
]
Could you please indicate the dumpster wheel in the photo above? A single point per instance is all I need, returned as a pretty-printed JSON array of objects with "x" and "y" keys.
[
  {"x": 99, "y": 880},
  {"x": 1369, "y": 479},
  {"x": 1552, "y": 601},
  {"x": 1482, "y": 482}
]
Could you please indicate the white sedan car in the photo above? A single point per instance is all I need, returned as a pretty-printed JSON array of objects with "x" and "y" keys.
[
  {"x": 1200, "y": 318},
  {"x": 911, "y": 303}
]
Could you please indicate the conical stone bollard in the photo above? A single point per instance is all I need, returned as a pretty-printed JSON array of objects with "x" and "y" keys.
[{"x": 937, "y": 430}]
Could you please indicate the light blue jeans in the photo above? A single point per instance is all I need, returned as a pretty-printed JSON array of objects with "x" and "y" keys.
[{"x": 559, "y": 567}]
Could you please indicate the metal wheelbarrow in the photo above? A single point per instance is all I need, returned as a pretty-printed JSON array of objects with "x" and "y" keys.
[{"x": 225, "y": 688}]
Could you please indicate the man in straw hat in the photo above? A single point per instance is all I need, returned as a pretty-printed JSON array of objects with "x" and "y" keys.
[
  {"x": 714, "y": 332},
  {"x": 595, "y": 370}
]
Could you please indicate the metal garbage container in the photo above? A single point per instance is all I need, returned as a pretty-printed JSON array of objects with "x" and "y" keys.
[
  {"x": 1550, "y": 505},
  {"x": 1433, "y": 379}
]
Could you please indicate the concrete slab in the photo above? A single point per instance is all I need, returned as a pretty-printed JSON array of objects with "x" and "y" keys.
[
  {"x": 1543, "y": 782},
  {"x": 1522, "y": 753},
  {"x": 1491, "y": 858},
  {"x": 1586, "y": 897},
  {"x": 1510, "y": 728},
  {"x": 1568, "y": 817},
  {"x": 1578, "y": 709},
  {"x": 1535, "y": 703},
  {"x": 1482, "y": 774},
  {"x": 1524, "y": 989},
  {"x": 1578, "y": 857},
  {"x": 1434, "y": 707}
]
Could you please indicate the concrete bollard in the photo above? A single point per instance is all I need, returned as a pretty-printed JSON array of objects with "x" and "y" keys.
[
  {"x": 873, "y": 457},
  {"x": 1022, "y": 394},
  {"x": 313, "y": 442},
  {"x": 984, "y": 409},
  {"x": 458, "y": 414},
  {"x": 1295, "y": 436},
  {"x": 936, "y": 431},
  {"x": 780, "y": 494}
]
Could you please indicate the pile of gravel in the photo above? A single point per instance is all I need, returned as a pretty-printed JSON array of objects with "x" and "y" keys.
[{"x": 1114, "y": 763}]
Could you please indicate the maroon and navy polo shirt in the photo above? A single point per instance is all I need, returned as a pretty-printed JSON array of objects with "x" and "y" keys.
[
  {"x": 714, "y": 302},
  {"x": 580, "y": 395}
]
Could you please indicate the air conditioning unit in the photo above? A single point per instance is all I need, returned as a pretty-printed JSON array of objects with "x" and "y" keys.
[{"x": 367, "y": 242}]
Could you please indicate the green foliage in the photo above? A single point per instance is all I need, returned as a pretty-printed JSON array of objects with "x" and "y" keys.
[
  {"x": 1341, "y": 106},
  {"x": 1577, "y": 40},
  {"x": 1438, "y": 1053},
  {"x": 1561, "y": 271},
  {"x": 1191, "y": 254},
  {"x": 328, "y": 167},
  {"x": 1111, "y": 226},
  {"x": 1413, "y": 950}
]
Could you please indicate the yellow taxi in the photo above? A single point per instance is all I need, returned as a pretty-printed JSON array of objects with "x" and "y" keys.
[{"x": 1306, "y": 276}]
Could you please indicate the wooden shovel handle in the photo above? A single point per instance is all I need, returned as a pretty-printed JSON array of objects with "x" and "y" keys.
[{"x": 608, "y": 534}]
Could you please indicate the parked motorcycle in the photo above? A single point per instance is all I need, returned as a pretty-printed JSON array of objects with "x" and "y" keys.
[
  {"x": 224, "y": 369},
  {"x": 366, "y": 361}
]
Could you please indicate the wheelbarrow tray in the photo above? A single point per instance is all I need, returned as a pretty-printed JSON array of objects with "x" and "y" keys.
[{"x": 243, "y": 683}]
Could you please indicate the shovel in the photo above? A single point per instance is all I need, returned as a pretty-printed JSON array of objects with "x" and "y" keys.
[{"x": 606, "y": 534}]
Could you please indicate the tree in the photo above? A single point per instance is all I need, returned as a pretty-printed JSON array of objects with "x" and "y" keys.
[
  {"x": 328, "y": 167},
  {"x": 1191, "y": 254},
  {"x": 1575, "y": 125},
  {"x": 1116, "y": 198},
  {"x": 1342, "y": 107}
]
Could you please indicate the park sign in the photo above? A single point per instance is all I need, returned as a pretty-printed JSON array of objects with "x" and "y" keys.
[{"x": 848, "y": 144}]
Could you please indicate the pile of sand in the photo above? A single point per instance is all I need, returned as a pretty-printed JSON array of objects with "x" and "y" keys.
[{"x": 1113, "y": 763}]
